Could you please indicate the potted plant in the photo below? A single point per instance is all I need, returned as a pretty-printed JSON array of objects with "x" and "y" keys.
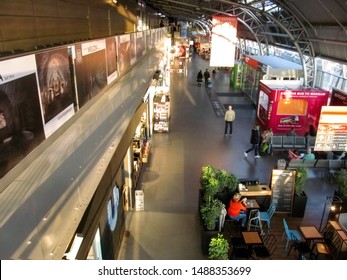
[
  {"x": 217, "y": 186},
  {"x": 210, "y": 184},
  {"x": 300, "y": 197},
  {"x": 210, "y": 212},
  {"x": 219, "y": 248},
  {"x": 228, "y": 186},
  {"x": 340, "y": 180}
]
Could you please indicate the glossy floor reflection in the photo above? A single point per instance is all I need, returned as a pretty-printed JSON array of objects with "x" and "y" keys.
[{"x": 168, "y": 228}]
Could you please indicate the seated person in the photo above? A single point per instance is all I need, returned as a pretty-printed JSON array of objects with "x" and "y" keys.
[
  {"x": 308, "y": 155},
  {"x": 293, "y": 154},
  {"x": 311, "y": 131},
  {"x": 237, "y": 209},
  {"x": 291, "y": 132}
]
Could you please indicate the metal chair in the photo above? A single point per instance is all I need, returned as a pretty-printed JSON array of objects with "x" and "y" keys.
[
  {"x": 266, "y": 216},
  {"x": 302, "y": 247},
  {"x": 239, "y": 250},
  {"x": 254, "y": 222},
  {"x": 291, "y": 235},
  {"x": 266, "y": 250}
]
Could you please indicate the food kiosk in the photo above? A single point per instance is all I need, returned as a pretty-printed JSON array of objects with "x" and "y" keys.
[
  {"x": 266, "y": 67},
  {"x": 283, "y": 105}
]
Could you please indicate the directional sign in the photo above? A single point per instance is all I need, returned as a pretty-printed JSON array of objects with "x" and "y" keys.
[{"x": 332, "y": 129}]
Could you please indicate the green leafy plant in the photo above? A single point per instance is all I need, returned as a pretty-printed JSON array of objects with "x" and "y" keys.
[
  {"x": 214, "y": 181},
  {"x": 210, "y": 212},
  {"x": 340, "y": 180},
  {"x": 210, "y": 185},
  {"x": 300, "y": 180},
  {"x": 218, "y": 248},
  {"x": 227, "y": 181}
]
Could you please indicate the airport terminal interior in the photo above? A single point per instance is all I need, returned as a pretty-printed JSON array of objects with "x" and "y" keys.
[
  {"x": 169, "y": 227},
  {"x": 105, "y": 130}
]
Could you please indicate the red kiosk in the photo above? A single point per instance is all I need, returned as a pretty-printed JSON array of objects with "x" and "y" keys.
[{"x": 283, "y": 105}]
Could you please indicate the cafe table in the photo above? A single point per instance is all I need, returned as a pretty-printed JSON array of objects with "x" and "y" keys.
[
  {"x": 252, "y": 204},
  {"x": 310, "y": 233},
  {"x": 252, "y": 238}
]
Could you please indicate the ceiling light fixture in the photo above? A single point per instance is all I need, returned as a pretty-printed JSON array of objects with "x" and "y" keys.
[{"x": 114, "y": 1}]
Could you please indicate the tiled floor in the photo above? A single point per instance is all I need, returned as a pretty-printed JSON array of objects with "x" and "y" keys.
[{"x": 169, "y": 226}]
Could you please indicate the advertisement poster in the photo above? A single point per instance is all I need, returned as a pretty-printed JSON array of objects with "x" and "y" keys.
[
  {"x": 56, "y": 90},
  {"x": 21, "y": 125},
  {"x": 282, "y": 108},
  {"x": 90, "y": 68},
  {"x": 140, "y": 50},
  {"x": 111, "y": 58},
  {"x": 338, "y": 98},
  {"x": 224, "y": 31},
  {"x": 132, "y": 48},
  {"x": 153, "y": 37},
  {"x": 123, "y": 53},
  {"x": 148, "y": 40}
]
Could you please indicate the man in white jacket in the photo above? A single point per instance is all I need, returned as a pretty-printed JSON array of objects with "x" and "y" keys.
[{"x": 229, "y": 118}]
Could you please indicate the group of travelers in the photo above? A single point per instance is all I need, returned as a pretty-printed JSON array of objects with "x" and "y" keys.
[
  {"x": 261, "y": 142},
  {"x": 205, "y": 76}
]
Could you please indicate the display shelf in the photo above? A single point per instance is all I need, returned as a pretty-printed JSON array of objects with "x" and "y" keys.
[
  {"x": 161, "y": 112},
  {"x": 145, "y": 150}
]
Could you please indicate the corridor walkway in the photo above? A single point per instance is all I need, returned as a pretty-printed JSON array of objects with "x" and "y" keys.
[{"x": 168, "y": 228}]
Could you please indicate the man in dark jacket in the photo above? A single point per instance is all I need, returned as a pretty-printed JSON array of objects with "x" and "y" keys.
[
  {"x": 255, "y": 141},
  {"x": 206, "y": 76}
]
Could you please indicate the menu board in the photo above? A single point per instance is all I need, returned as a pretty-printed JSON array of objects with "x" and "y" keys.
[{"x": 282, "y": 185}]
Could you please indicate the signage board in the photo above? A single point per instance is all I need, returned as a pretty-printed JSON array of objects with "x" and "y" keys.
[{"x": 332, "y": 129}]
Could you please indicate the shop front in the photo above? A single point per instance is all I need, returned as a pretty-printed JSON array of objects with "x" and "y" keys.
[
  {"x": 285, "y": 105},
  {"x": 257, "y": 67}
]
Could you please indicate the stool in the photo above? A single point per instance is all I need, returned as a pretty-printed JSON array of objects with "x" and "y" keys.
[{"x": 322, "y": 249}]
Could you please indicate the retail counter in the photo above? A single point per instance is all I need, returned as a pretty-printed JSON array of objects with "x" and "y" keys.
[{"x": 255, "y": 190}]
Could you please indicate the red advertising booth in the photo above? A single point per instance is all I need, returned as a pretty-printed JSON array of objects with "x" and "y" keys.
[{"x": 283, "y": 105}]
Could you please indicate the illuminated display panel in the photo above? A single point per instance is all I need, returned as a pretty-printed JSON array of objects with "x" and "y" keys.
[
  {"x": 292, "y": 107},
  {"x": 224, "y": 29}
]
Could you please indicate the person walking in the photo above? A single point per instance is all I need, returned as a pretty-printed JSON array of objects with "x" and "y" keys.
[
  {"x": 255, "y": 141},
  {"x": 229, "y": 117},
  {"x": 199, "y": 78},
  {"x": 206, "y": 76}
]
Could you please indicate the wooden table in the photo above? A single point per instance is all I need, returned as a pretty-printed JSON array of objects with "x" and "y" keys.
[
  {"x": 255, "y": 190},
  {"x": 310, "y": 233},
  {"x": 343, "y": 237},
  {"x": 252, "y": 238},
  {"x": 252, "y": 204}
]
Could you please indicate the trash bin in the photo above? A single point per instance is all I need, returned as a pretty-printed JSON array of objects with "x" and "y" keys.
[{"x": 209, "y": 83}]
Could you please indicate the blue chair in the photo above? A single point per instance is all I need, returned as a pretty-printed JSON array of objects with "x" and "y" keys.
[
  {"x": 292, "y": 235},
  {"x": 266, "y": 216}
]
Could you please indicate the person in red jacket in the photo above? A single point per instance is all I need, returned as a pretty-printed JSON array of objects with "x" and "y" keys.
[{"x": 237, "y": 209}]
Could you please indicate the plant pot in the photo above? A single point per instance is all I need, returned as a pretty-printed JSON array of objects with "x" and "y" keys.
[
  {"x": 299, "y": 205},
  {"x": 206, "y": 236}
]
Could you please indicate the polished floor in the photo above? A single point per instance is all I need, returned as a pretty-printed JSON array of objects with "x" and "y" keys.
[{"x": 168, "y": 228}]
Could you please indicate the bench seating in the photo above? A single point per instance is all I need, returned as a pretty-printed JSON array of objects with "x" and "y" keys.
[
  {"x": 283, "y": 142},
  {"x": 322, "y": 165}
]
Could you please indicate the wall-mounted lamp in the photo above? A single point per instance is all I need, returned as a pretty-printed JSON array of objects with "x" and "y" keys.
[
  {"x": 334, "y": 209},
  {"x": 114, "y": 1}
]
